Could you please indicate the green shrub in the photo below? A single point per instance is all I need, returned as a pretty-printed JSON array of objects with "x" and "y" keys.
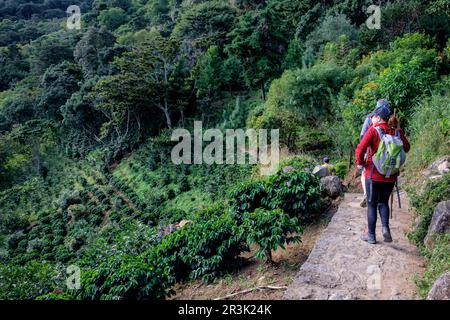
[
  {"x": 404, "y": 84},
  {"x": 27, "y": 281},
  {"x": 296, "y": 193},
  {"x": 211, "y": 247},
  {"x": 204, "y": 249},
  {"x": 341, "y": 169},
  {"x": 438, "y": 262},
  {"x": 429, "y": 128},
  {"x": 246, "y": 197},
  {"x": 308, "y": 92},
  {"x": 56, "y": 296},
  {"x": 270, "y": 230},
  {"x": 146, "y": 276},
  {"x": 298, "y": 162},
  {"x": 425, "y": 203}
]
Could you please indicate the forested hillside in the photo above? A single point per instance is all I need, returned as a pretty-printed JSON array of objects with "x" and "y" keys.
[{"x": 86, "y": 116}]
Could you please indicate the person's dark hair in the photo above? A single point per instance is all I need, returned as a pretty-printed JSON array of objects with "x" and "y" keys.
[
  {"x": 383, "y": 112},
  {"x": 383, "y": 109},
  {"x": 326, "y": 159}
]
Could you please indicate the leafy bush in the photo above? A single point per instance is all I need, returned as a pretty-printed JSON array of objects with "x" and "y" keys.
[
  {"x": 204, "y": 250},
  {"x": 270, "y": 230},
  {"x": 27, "y": 281},
  {"x": 438, "y": 262},
  {"x": 404, "y": 84},
  {"x": 297, "y": 193},
  {"x": 148, "y": 275},
  {"x": 211, "y": 247},
  {"x": 330, "y": 30},
  {"x": 247, "y": 197},
  {"x": 429, "y": 126},
  {"x": 308, "y": 92},
  {"x": 341, "y": 169},
  {"x": 424, "y": 202},
  {"x": 298, "y": 162}
]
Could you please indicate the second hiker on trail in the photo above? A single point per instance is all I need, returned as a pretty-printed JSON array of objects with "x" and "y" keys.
[{"x": 380, "y": 153}]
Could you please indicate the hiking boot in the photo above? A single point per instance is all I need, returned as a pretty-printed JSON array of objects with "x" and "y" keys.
[
  {"x": 387, "y": 234},
  {"x": 370, "y": 238},
  {"x": 363, "y": 203}
]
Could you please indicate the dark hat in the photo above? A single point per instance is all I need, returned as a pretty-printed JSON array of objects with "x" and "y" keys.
[
  {"x": 383, "y": 109},
  {"x": 326, "y": 159}
]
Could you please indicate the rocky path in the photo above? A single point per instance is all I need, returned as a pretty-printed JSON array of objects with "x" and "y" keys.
[{"x": 343, "y": 267}]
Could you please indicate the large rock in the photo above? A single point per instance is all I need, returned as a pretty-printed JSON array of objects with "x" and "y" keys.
[
  {"x": 321, "y": 171},
  {"x": 170, "y": 228},
  {"x": 440, "y": 223},
  {"x": 332, "y": 186},
  {"x": 441, "y": 288},
  {"x": 288, "y": 169},
  {"x": 438, "y": 168}
]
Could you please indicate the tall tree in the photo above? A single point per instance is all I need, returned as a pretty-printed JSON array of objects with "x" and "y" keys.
[
  {"x": 88, "y": 51},
  {"x": 259, "y": 47},
  {"x": 150, "y": 77}
]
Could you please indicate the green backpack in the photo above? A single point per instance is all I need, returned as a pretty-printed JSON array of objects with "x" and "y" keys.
[{"x": 390, "y": 155}]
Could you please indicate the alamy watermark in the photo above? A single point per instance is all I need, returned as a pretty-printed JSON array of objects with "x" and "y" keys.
[
  {"x": 74, "y": 21},
  {"x": 73, "y": 280},
  {"x": 374, "y": 279},
  {"x": 374, "y": 20},
  {"x": 231, "y": 146}
]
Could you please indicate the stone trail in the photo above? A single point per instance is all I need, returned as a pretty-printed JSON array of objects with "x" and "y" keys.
[{"x": 343, "y": 267}]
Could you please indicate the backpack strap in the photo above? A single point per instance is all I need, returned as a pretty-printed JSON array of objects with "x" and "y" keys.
[{"x": 380, "y": 132}]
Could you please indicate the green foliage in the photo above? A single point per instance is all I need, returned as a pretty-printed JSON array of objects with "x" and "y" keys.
[
  {"x": 257, "y": 48},
  {"x": 152, "y": 77},
  {"x": 247, "y": 197},
  {"x": 296, "y": 193},
  {"x": 126, "y": 277},
  {"x": 209, "y": 69},
  {"x": 51, "y": 49},
  {"x": 404, "y": 84},
  {"x": 212, "y": 246},
  {"x": 308, "y": 92},
  {"x": 424, "y": 202},
  {"x": 93, "y": 51},
  {"x": 330, "y": 30},
  {"x": 205, "y": 24},
  {"x": 298, "y": 162},
  {"x": 287, "y": 121},
  {"x": 429, "y": 127},
  {"x": 438, "y": 262},
  {"x": 270, "y": 230},
  {"x": 13, "y": 66},
  {"x": 58, "y": 82},
  {"x": 202, "y": 250},
  {"x": 293, "y": 58},
  {"x": 341, "y": 169},
  {"x": 27, "y": 281},
  {"x": 84, "y": 146},
  {"x": 112, "y": 18}
]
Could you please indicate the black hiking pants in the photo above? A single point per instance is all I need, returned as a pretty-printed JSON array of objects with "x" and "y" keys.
[{"x": 378, "y": 198}]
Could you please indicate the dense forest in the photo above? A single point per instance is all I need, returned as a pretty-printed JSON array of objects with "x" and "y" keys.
[{"x": 86, "y": 117}]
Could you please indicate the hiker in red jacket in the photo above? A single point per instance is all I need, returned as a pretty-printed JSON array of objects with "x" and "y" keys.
[{"x": 378, "y": 187}]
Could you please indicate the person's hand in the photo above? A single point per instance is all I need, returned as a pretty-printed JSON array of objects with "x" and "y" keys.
[{"x": 360, "y": 168}]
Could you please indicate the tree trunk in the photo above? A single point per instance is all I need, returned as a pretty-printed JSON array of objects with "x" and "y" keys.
[
  {"x": 263, "y": 90},
  {"x": 350, "y": 156},
  {"x": 168, "y": 120},
  {"x": 269, "y": 256}
]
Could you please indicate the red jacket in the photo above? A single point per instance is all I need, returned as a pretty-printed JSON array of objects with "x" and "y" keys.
[{"x": 369, "y": 144}]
